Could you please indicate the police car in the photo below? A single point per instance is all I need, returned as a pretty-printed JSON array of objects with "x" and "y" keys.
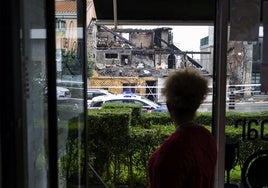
[
  {"x": 91, "y": 93},
  {"x": 147, "y": 105}
]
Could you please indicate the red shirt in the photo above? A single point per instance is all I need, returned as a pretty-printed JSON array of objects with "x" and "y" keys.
[{"x": 186, "y": 159}]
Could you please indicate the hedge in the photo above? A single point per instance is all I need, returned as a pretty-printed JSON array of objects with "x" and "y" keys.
[
  {"x": 135, "y": 110},
  {"x": 119, "y": 149},
  {"x": 107, "y": 131}
]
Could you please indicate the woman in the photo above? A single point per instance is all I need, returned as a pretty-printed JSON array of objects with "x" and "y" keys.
[{"x": 187, "y": 158}]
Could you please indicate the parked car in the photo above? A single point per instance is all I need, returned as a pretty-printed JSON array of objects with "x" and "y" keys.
[
  {"x": 63, "y": 92},
  {"x": 91, "y": 93},
  {"x": 147, "y": 105}
]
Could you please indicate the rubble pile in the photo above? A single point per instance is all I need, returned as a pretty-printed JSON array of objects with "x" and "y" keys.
[{"x": 131, "y": 71}]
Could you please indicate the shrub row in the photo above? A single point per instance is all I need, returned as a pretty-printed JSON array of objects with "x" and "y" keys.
[
  {"x": 204, "y": 118},
  {"x": 119, "y": 147}
]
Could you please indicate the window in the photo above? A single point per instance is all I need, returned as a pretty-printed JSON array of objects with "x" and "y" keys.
[
  {"x": 92, "y": 95},
  {"x": 204, "y": 41},
  {"x": 97, "y": 104},
  {"x": 111, "y": 56},
  {"x": 255, "y": 78},
  {"x": 60, "y": 25},
  {"x": 117, "y": 101}
]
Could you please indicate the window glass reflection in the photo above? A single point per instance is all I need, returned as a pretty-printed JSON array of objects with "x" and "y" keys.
[
  {"x": 70, "y": 93},
  {"x": 35, "y": 91}
]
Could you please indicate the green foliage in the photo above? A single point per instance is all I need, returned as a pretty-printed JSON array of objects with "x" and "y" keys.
[
  {"x": 153, "y": 118},
  {"x": 232, "y": 117},
  {"x": 70, "y": 63},
  {"x": 107, "y": 131},
  {"x": 119, "y": 151},
  {"x": 204, "y": 118},
  {"x": 90, "y": 66},
  {"x": 70, "y": 150},
  {"x": 136, "y": 110},
  {"x": 139, "y": 146}
]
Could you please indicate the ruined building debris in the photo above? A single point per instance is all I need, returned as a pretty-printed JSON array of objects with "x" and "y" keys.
[
  {"x": 125, "y": 49},
  {"x": 134, "y": 59},
  {"x": 141, "y": 70}
]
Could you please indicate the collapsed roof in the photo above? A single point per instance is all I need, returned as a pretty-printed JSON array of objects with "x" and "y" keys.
[{"x": 171, "y": 47}]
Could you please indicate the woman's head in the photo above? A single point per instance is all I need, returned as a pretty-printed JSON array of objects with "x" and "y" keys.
[{"x": 185, "y": 89}]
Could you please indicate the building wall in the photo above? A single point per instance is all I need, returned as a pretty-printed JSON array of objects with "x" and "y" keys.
[
  {"x": 144, "y": 59},
  {"x": 107, "y": 57},
  {"x": 115, "y": 84},
  {"x": 239, "y": 57},
  {"x": 91, "y": 13},
  {"x": 142, "y": 39},
  {"x": 91, "y": 40},
  {"x": 67, "y": 38},
  {"x": 206, "y": 60},
  {"x": 165, "y": 37}
]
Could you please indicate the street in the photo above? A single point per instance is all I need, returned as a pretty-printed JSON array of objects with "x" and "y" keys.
[{"x": 239, "y": 106}]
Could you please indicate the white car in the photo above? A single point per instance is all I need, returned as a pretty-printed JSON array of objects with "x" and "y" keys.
[
  {"x": 63, "y": 92},
  {"x": 121, "y": 98},
  {"x": 91, "y": 93}
]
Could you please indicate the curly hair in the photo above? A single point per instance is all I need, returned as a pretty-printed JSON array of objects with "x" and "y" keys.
[{"x": 185, "y": 89}]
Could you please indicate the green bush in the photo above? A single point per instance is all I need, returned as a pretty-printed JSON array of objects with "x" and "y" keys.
[
  {"x": 204, "y": 118},
  {"x": 136, "y": 110},
  {"x": 233, "y": 117},
  {"x": 107, "y": 132},
  {"x": 153, "y": 118},
  {"x": 70, "y": 149},
  {"x": 120, "y": 151}
]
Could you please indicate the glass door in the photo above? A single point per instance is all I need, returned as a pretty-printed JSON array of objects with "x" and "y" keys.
[
  {"x": 53, "y": 68},
  {"x": 70, "y": 89},
  {"x": 35, "y": 107}
]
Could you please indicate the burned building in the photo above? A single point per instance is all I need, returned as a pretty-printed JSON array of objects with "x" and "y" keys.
[
  {"x": 144, "y": 55},
  {"x": 132, "y": 47}
]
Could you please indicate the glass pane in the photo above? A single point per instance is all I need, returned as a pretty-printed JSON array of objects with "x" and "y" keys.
[
  {"x": 133, "y": 61},
  {"x": 35, "y": 91},
  {"x": 245, "y": 132},
  {"x": 128, "y": 59},
  {"x": 70, "y": 92}
]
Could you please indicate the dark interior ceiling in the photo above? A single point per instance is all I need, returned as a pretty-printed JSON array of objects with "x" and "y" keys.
[
  {"x": 157, "y": 11},
  {"x": 148, "y": 12}
]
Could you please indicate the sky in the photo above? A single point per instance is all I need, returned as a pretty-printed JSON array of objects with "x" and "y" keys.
[{"x": 186, "y": 38}]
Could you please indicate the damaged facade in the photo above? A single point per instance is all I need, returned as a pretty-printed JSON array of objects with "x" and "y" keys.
[
  {"x": 136, "y": 59},
  {"x": 140, "y": 58}
]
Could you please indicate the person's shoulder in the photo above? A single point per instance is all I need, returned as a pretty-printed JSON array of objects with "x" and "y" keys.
[{"x": 202, "y": 128}]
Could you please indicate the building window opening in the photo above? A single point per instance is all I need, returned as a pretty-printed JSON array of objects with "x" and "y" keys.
[
  {"x": 171, "y": 61},
  {"x": 61, "y": 25},
  {"x": 124, "y": 60},
  {"x": 111, "y": 56}
]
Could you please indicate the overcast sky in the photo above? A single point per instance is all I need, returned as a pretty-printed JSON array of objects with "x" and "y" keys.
[{"x": 187, "y": 38}]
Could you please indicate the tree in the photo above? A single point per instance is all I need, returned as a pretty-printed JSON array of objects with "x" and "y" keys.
[
  {"x": 90, "y": 66},
  {"x": 70, "y": 63}
]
